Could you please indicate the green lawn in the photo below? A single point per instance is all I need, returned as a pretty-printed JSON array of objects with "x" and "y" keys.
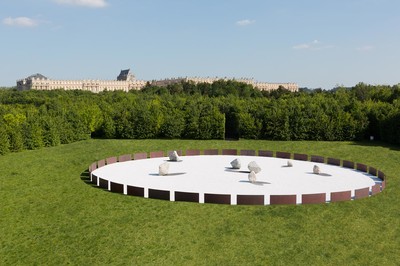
[{"x": 49, "y": 215}]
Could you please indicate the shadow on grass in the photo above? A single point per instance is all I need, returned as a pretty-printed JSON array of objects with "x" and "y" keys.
[
  {"x": 85, "y": 177},
  {"x": 376, "y": 143}
]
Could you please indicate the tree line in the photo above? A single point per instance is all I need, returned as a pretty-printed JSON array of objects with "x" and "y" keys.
[{"x": 224, "y": 109}]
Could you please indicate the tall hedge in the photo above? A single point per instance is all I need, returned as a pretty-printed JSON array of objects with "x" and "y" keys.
[{"x": 225, "y": 109}]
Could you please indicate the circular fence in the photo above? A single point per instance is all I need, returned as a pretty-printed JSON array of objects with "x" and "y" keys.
[{"x": 136, "y": 175}]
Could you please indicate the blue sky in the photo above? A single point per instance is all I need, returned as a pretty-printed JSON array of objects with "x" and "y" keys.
[{"x": 315, "y": 43}]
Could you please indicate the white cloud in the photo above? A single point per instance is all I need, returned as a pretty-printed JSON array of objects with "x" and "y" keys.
[
  {"x": 87, "y": 3},
  {"x": 365, "y": 48},
  {"x": 301, "y": 46},
  {"x": 21, "y": 22},
  {"x": 245, "y": 22},
  {"x": 314, "y": 45}
]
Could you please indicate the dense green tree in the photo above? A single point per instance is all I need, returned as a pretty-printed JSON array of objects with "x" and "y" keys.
[
  {"x": 51, "y": 135},
  {"x": 4, "y": 141},
  {"x": 390, "y": 126},
  {"x": 249, "y": 126},
  {"x": 211, "y": 123},
  {"x": 107, "y": 129},
  {"x": 33, "y": 134},
  {"x": 173, "y": 125},
  {"x": 192, "y": 116},
  {"x": 231, "y": 109},
  {"x": 13, "y": 125},
  {"x": 276, "y": 123}
]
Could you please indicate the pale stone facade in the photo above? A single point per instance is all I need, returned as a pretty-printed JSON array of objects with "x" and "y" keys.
[
  {"x": 263, "y": 86},
  {"x": 40, "y": 82},
  {"x": 126, "y": 81}
]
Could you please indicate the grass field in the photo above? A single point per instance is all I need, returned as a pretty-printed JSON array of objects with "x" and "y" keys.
[{"x": 49, "y": 215}]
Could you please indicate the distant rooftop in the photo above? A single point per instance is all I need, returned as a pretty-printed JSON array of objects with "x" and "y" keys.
[
  {"x": 126, "y": 74},
  {"x": 37, "y": 76}
]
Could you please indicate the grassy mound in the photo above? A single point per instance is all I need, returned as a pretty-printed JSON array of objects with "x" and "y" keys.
[{"x": 50, "y": 215}]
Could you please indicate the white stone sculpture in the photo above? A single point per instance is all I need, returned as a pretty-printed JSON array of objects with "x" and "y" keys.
[
  {"x": 289, "y": 164},
  {"x": 316, "y": 170},
  {"x": 173, "y": 156},
  {"x": 253, "y": 166},
  {"x": 163, "y": 169},
  {"x": 236, "y": 164},
  {"x": 252, "y": 177}
]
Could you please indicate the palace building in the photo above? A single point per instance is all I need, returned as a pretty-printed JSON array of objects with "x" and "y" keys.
[
  {"x": 126, "y": 81},
  {"x": 262, "y": 86}
]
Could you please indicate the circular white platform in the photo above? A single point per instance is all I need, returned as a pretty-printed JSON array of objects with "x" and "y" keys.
[{"x": 213, "y": 174}]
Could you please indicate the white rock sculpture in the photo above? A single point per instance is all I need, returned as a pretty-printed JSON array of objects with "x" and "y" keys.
[
  {"x": 163, "y": 169},
  {"x": 316, "y": 170},
  {"x": 289, "y": 164},
  {"x": 173, "y": 156},
  {"x": 236, "y": 164},
  {"x": 252, "y": 177},
  {"x": 253, "y": 166}
]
